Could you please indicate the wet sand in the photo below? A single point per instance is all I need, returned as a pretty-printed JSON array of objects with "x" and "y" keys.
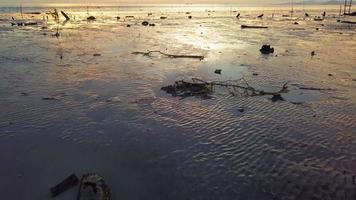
[{"x": 108, "y": 113}]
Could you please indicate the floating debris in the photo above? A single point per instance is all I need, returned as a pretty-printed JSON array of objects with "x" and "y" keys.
[
  {"x": 163, "y": 17},
  {"x": 96, "y": 54},
  {"x": 238, "y": 16},
  {"x": 266, "y": 49},
  {"x": 190, "y": 17},
  {"x": 313, "y": 53},
  {"x": 93, "y": 187},
  {"x": 66, "y": 184},
  {"x": 260, "y": 16},
  {"x": 152, "y": 24}
]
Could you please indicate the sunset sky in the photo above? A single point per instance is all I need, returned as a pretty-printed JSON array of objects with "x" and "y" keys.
[{"x": 35, "y": 2}]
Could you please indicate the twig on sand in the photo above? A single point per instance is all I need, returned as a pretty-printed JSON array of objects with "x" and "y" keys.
[{"x": 149, "y": 53}]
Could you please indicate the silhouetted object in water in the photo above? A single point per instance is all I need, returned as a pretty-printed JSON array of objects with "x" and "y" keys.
[
  {"x": 145, "y": 23},
  {"x": 324, "y": 14},
  {"x": 152, "y": 24},
  {"x": 266, "y": 49},
  {"x": 66, "y": 184},
  {"x": 238, "y": 16},
  {"x": 118, "y": 17},
  {"x": 65, "y": 15},
  {"x": 128, "y": 25},
  {"x": 260, "y": 16},
  {"x": 190, "y": 17},
  {"x": 218, "y": 71},
  {"x": 93, "y": 187},
  {"x": 296, "y": 23},
  {"x": 306, "y": 15},
  {"x": 313, "y": 53},
  {"x": 248, "y": 26},
  {"x": 163, "y": 17},
  {"x": 91, "y": 18}
]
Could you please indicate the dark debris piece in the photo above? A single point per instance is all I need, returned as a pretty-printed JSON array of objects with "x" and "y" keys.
[
  {"x": 277, "y": 97},
  {"x": 186, "y": 89},
  {"x": 266, "y": 49},
  {"x": 93, "y": 187},
  {"x": 66, "y": 184},
  {"x": 218, "y": 71}
]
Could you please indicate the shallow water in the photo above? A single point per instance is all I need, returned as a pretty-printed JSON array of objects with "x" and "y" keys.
[{"x": 111, "y": 117}]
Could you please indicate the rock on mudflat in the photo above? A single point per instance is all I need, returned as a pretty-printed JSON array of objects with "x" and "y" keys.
[{"x": 93, "y": 187}]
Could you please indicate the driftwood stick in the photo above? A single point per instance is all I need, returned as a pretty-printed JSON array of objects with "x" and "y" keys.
[{"x": 149, "y": 53}]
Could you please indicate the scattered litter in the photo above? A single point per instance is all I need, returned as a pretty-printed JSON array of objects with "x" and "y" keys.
[
  {"x": 66, "y": 184},
  {"x": 266, "y": 49}
]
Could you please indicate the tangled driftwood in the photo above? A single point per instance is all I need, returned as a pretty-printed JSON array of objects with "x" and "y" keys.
[
  {"x": 149, "y": 53},
  {"x": 204, "y": 89}
]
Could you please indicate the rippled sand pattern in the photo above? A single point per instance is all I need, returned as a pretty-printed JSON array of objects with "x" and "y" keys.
[{"x": 107, "y": 114}]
